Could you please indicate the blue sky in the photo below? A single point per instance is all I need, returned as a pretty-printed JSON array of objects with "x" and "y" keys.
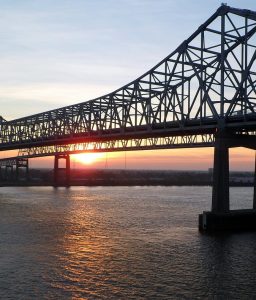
[{"x": 55, "y": 53}]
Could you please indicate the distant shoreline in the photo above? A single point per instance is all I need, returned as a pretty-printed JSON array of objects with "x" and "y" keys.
[{"x": 106, "y": 177}]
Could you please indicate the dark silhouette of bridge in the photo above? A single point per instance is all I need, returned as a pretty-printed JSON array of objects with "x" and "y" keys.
[{"x": 201, "y": 95}]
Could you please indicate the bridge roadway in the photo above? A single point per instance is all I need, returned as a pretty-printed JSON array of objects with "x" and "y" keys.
[{"x": 201, "y": 95}]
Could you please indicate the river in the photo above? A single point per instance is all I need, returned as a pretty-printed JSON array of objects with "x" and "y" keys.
[{"x": 120, "y": 243}]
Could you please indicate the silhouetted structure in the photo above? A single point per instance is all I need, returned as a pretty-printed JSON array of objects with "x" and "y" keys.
[
  {"x": 58, "y": 177},
  {"x": 202, "y": 94}
]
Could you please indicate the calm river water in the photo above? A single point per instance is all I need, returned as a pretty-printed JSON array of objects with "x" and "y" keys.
[{"x": 120, "y": 243}]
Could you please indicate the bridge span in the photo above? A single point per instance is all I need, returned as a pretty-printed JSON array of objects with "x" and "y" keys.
[{"x": 201, "y": 95}]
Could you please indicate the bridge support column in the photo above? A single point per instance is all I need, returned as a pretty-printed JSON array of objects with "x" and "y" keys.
[
  {"x": 58, "y": 172},
  {"x": 221, "y": 217},
  {"x": 21, "y": 163},
  {"x": 254, "y": 189},
  {"x": 1, "y": 174},
  {"x": 209, "y": 221},
  {"x": 220, "y": 188},
  {"x": 9, "y": 172}
]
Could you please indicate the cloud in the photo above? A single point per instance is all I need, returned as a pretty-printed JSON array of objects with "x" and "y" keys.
[{"x": 36, "y": 98}]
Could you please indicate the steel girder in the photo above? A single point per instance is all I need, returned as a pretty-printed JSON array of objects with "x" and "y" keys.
[
  {"x": 207, "y": 82},
  {"x": 172, "y": 142},
  {"x": 14, "y": 161},
  {"x": 243, "y": 138}
]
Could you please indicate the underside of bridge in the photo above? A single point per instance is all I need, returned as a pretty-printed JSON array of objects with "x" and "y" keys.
[{"x": 201, "y": 95}]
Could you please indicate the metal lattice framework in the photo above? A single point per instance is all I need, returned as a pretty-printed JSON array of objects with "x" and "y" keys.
[
  {"x": 14, "y": 161},
  {"x": 173, "y": 142},
  {"x": 208, "y": 82}
]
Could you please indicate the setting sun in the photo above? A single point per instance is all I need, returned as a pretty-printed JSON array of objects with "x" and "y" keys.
[{"x": 88, "y": 158}]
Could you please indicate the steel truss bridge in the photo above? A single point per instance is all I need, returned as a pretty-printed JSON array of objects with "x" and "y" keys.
[{"x": 201, "y": 95}]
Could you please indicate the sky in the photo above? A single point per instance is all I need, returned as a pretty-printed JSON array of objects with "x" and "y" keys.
[{"x": 56, "y": 53}]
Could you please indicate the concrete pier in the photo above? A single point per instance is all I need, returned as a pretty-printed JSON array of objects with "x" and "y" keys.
[
  {"x": 59, "y": 179},
  {"x": 220, "y": 187},
  {"x": 254, "y": 190},
  {"x": 220, "y": 217},
  {"x": 234, "y": 220}
]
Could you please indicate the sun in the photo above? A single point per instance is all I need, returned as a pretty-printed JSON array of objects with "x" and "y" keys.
[{"x": 87, "y": 158}]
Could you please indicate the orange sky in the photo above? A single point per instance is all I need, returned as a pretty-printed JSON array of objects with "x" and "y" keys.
[{"x": 176, "y": 159}]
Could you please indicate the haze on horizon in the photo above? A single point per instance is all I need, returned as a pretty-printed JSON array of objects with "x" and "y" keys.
[{"x": 64, "y": 52}]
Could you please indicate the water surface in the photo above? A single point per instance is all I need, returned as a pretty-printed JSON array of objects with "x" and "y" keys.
[{"x": 120, "y": 243}]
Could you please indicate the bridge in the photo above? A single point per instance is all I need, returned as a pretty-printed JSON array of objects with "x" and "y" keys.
[{"x": 201, "y": 95}]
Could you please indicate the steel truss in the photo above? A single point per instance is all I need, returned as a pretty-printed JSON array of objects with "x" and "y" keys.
[
  {"x": 203, "y": 140},
  {"x": 14, "y": 161},
  {"x": 209, "y": 80},
  {"x": 239, "y": 139}
]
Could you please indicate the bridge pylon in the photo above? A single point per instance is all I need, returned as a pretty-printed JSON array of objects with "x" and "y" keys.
[
  {"x": 220, "y": 188},
  {"x": 21, "y": 163},
  {"x": 221, "y": 217},
  {"x": 58, "y": 171},
  {"x": 8, "y": 172},
  {"x": 10, "y": 169},
  {"x": 254, "y": 189}
]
